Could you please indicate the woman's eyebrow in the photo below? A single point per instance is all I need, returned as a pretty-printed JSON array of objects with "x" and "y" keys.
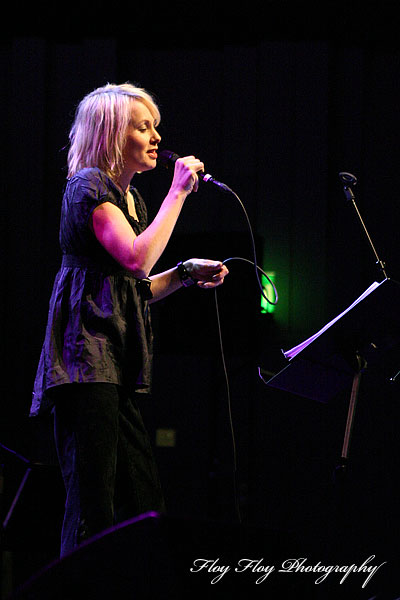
[{"x": 144, "y": 122}]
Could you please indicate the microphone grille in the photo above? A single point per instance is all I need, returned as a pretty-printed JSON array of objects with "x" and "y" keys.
[
  {"x": 167, "y": 158},
  {"x": 348, "y": 178}
]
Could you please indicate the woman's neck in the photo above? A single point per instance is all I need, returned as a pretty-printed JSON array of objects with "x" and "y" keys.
[{"x": 124, "y": 181}]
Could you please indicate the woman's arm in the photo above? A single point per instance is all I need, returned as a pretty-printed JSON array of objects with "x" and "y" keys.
[
  {"x": 139, "y": 253},
  {"x": 206, "y": 273}
]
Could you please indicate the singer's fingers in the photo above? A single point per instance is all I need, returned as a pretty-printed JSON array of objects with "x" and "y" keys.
[
  {"x": 186, "y": 170},
  {"x": 206, "y": 270},
  {"x": 191, "y": 162},
  {"x": 198, "y": 166},
  {"x": 205, "y": 285},
  {"x": 203, "y": 264}
]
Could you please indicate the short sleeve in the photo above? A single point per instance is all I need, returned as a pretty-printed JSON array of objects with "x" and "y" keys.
[{"x": 84, "y": 192}]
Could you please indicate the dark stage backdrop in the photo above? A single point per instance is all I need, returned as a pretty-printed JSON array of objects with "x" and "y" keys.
[{"x": 276, "y": 103}]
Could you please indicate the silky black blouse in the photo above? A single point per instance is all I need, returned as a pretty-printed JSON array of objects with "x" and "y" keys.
[{"x": 98, "y": 327}]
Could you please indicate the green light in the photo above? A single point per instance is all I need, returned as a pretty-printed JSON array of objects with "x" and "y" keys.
[{"x": 268, "y": 290}]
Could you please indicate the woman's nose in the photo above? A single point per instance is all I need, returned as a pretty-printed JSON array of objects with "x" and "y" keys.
[{"x": 156, "y": 137}]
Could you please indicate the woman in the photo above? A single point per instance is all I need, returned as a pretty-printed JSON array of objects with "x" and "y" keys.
[{"x": 97, "y": 351}]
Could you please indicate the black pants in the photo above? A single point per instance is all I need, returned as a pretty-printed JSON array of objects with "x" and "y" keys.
[{"x": 106, "y": 460}]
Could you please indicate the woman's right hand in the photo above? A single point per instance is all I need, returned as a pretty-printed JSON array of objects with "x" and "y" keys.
[
  {"x": 139, "y": 254},
  {"x": 185, "y": 175}
]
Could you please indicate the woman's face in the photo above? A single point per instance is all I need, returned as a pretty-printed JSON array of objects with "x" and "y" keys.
[{"x": 140, "y": 151}]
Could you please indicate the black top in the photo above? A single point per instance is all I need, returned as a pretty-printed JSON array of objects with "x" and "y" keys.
[{"x": 98, "y": 327}]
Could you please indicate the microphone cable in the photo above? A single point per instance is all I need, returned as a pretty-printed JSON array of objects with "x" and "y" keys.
[
  {"x": 168, "y": 158},
  {"x": 219, "y": 328},
  {"x": 254, "y": 263}
]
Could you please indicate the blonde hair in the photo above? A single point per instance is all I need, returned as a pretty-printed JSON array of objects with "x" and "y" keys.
[{"x": 98, "y": 134}]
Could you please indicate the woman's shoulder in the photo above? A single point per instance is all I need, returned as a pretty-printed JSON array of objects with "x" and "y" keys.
[
  {"x": 91, "y": 181},
  {"x": 92, "y": 175}
]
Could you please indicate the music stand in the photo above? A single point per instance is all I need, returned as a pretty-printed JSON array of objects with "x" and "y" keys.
[
  {"x": 336, "y": 356},
  {"x": 367, "y": 332}
]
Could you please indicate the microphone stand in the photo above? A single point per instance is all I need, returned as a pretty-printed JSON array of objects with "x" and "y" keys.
[
  {"x": 343, "y": 514},
  {"x": 350, "y": 180}
]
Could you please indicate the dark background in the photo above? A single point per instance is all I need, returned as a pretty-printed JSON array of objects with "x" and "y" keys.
[{"x": 276, "y": 98}]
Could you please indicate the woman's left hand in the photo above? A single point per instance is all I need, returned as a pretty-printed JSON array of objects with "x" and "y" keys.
[{"x": 207, "y": 273}]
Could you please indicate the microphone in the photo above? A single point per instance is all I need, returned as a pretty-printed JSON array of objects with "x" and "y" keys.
[
  {"x": 348, "y": 180},
  {"x": 167, "y": 158}
]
